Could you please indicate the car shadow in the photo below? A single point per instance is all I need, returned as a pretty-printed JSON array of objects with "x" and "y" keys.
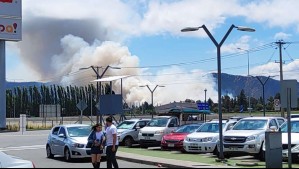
[{"x": 79, "y": 160}]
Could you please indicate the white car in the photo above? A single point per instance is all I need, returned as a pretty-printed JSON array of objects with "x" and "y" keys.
[
  {"x": 247, "y": 137},
  {"x": 153, "y": 132},
  {"x": 295, "y": 139},
  {"x": 205, "y": 139},
  {"x": 7, "y": 161}
]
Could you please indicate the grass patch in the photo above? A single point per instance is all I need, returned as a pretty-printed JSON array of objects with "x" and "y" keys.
[{"x": 199, "y": 158}]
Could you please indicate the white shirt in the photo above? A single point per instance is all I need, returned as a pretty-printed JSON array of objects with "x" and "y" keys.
[
  {"x": 110, "y": 131},
  {"x": 99, "y": 135}
]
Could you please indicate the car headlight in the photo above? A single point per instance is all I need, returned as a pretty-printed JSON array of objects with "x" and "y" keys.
[
  {"x": 186, "y": 139},
  {"x": 250, "y": 138},
  {"x": 159, "y": 132},
  {"x": 77, "y": 145},
  {"x": 208, "y": 139},
  {"x": 120, "y": 133}
]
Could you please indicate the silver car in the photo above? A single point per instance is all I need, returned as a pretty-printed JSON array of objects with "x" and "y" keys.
[
  {"x": 69, "y": 141},
  {"x": 128, "y": 131}
]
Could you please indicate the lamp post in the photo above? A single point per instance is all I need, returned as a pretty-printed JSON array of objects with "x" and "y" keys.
[
  {"x": 206, "y": 95},
  {"x": 218, "y": 45},
  {"x": 152, "y": 92},
  {"x": 263, "y": 84},
  {"x": 247, "y": 51},
  {"x": 99, "y": 84}
]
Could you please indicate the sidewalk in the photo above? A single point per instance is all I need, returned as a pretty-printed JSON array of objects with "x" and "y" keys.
[{"x": 168, "y": 163}]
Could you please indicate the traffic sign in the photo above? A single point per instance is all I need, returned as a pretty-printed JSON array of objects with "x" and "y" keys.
[
  {"x": 203, "y": 106},
  {"x": 82, "y": 105}
]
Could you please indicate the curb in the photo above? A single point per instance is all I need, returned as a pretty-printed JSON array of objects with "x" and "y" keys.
[{"x": 150, "y": 162}]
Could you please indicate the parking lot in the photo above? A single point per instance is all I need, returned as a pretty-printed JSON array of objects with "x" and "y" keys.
[{"x": 31, "y": 146}]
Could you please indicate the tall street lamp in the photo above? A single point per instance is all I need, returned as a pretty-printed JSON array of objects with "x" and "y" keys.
[
  {"x": 152, "y": 92},
  {"x": 206, "y": 95},
  {"x": 247, "y": 51},
  {"x": 263, "y": 83},
  {"x": 218, "y": 45},
  {"x": 99, "y": 84}
]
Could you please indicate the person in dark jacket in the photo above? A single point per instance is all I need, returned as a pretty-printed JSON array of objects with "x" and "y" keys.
[{"x": 96, "y": 140}]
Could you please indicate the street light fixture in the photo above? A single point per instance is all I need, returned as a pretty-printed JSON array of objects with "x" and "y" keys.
[
  {"x": 152, "y": 92},
  {"x": 99, "y": 84},
  {"x": 218, "y": 45}
]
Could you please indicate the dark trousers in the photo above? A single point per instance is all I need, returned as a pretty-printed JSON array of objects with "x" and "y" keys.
[{"x": 111, "y": 157}]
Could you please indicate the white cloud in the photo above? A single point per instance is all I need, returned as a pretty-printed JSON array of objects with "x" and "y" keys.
[
  {"x": 242, "y": 43},
  {"x": 282, "y": 36},
  {"x": 290, "y": 70}
]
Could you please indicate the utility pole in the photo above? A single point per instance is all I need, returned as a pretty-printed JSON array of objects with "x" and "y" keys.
[{"x": 280, "y": 44}]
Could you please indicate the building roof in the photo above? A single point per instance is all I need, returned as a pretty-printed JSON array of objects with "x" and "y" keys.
[{"x": 181, "y": 107}]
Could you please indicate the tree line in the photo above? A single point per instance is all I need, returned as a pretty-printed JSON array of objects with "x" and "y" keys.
[{"x": 26, "y": 100}]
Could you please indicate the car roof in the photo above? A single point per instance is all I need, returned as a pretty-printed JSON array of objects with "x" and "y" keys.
[
  {"x": 163, "y": 117},
  {"x": 259, "y": 118},
  {"x": 73, "y": 125},
  {"x": 215, "y": 121}
]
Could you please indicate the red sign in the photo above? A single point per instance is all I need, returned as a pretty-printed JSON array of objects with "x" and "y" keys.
[{"x": 6, "y": 1}]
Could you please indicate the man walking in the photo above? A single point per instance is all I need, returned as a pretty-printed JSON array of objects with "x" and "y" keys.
[{"x": 112, "y": 143}]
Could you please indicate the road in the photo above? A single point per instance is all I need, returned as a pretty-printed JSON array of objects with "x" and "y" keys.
[{"x": 31, "y": 146}]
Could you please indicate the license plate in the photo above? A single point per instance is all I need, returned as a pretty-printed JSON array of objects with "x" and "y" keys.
[
  {"x": 147, "y": 138},
  {"x": 233, "y": 148},
  {"x": 170, "y": 145},
  {"x": 194, "y": 145}
]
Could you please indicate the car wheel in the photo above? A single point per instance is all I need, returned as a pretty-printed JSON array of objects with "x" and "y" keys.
[
  {"x": 216, "y": 152},
  {"x": 67, "y": 155},
  {"x": 261, "y": 155},
  {"x": 49, "y": 153},
  {"x": 128, "y": 142}
]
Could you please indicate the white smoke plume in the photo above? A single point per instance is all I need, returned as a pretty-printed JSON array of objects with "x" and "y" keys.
[{"x": 179, "y": 83}]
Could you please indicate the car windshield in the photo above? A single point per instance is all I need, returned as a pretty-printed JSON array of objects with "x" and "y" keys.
[
  {"x": 251, "y": 125},
  {"x": 209, "y": 128},
  {"x": 187, "y": 129},
  {"x": 126, "y": 125},
  {"x": 83, "y": 131},
  {"x": 158, "y": 122},
  {"x": 294, "y": 127}
]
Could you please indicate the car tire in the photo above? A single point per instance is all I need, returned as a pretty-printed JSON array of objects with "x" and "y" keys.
[
  {"x": 261, "y": 155},
  {"x": 67, "y": 155},
  {"x": 216, "y": 152},
  {"x": 128, "y": 141},
  {"x": 49, "y": 152}
]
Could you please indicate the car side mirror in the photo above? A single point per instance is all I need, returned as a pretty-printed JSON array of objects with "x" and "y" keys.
[
  {"x": 171, "y": 125},
  {"x": 137, "y": 128},
  {"x": 61, "y": 135},
  {"x": 273, "y": 128}
]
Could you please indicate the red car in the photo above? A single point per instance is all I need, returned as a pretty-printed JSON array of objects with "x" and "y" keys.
[
  {"x": 175, "y": 139},
  {"x": 6, "y": 1}
]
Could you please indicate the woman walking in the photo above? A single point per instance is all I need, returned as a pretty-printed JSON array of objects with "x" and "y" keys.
[{"x": 96, "y": 140}]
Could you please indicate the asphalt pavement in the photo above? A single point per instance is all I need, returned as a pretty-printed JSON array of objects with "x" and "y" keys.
[{"x": 31, "y": 146}]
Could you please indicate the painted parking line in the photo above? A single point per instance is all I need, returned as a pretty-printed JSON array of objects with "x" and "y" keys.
[{"x": 21, "y": 148}]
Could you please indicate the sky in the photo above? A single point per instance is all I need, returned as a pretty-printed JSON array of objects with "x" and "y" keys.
[{"x": 144, "y": 39}]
